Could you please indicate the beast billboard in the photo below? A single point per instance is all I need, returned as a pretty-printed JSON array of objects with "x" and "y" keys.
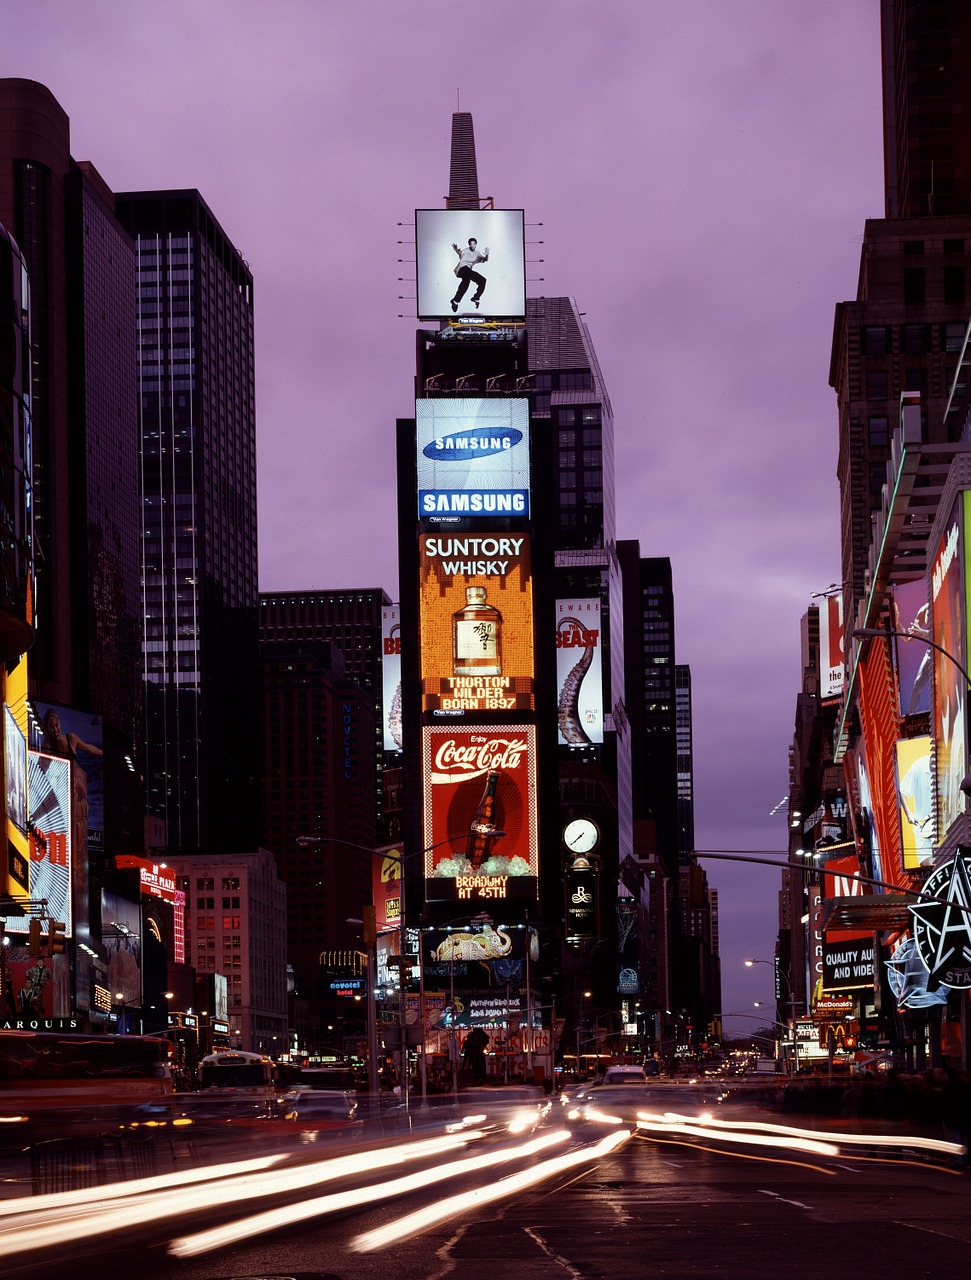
[
  {"x": 476, "y": 623},
  {"x": 579, "y": 673}
]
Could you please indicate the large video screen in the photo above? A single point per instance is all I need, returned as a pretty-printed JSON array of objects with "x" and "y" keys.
[
  {"x": 471, "y": 262},
  {"x": 473, "y": 458},
  {"x": 950, "y": 689},
  {"x": 456, "y": 773},
  {"x": 579, "y": 672},
  {"x": 476, "y": 623},
  {"x": 49, "y": 802}
]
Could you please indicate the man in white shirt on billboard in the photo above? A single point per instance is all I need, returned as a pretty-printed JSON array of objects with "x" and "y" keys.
[{"x": 468, "y": 259}]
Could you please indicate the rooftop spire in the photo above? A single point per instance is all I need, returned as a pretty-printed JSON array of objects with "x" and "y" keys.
[{"x": 463, "y": 183}]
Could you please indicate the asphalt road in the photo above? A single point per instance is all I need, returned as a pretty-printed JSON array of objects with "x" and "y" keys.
[{"x": 674, "y": 1206}]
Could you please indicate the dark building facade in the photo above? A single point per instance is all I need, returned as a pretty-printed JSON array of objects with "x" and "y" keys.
[
  {"x": 926, "y": 107},
  {"x": 319, "y": 810},
  {"x": 84, "y": 439},
  {"x": 197, "y": 431}
]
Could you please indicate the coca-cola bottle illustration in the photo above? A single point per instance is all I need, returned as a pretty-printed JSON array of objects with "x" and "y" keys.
[
  {"x": 483, "y": 831},
  {"x": 477, "y": 636}
]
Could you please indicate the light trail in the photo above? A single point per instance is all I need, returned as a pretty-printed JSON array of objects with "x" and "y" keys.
[
  {"x": 938, "y": 1145},
  {"x": 422, "y": 1219},
  {"x": 289, "y": 1215},
  {"x": 674, "y": 1124},
  {"x": 43, "y": 1225}
]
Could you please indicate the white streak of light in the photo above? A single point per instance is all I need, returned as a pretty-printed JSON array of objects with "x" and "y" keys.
[
  {"x": 287, "y": 1215},
  {"x": 672, "y": 1124},
  {"x": 422, "y": 1219},
  {"x": 37, "y": 1228},
  {"x": 858, "y": 1139},
  {"x": 35, "y": 1206}
]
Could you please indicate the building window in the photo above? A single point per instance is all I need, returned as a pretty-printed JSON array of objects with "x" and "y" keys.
[
  {"x": 876, "y": 384},
  {"x": 915, "y": 339},
  {"x": 914, "y": 291},
  {"x": 953, "y": 284},
  {"x": 874, "y": 340},
  {"x": 878, "y": 432}
]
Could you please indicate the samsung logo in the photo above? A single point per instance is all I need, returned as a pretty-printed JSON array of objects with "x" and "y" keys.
[
  {"x": 473, "y": 502},
  {"x": 461, "y": 445}
]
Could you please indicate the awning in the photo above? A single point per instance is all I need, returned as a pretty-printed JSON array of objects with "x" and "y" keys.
[{"x": 872, "y": 911}]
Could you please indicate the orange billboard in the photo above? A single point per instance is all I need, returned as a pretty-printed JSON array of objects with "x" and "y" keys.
[{"x": 476, "y": 623}]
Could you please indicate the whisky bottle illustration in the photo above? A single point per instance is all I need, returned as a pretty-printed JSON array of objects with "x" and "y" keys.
[
  {"x": 477, "y": 636},
  {"x": 482, "y": 830}
]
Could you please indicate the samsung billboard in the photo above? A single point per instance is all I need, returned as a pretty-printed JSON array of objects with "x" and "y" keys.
[
  {"x": 470, "y": 262},
  {"x": 473, "y": 458}
]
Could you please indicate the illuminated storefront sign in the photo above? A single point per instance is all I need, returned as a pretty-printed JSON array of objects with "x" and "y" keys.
[
  {"x": 473, "y": 458},
  {"x": 458, "y": 765},
  {"x": 476, "y": 623},
  {"x": 579, "y": 672},
  {"x": 847, "y": 956},
  {"x": 155, "y": 881},
  {"x": 471, "y": 263},
  {"x": 391, "y": 675}
]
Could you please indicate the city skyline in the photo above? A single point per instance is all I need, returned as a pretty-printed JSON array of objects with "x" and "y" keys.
[{"x": 702, "y": 183}]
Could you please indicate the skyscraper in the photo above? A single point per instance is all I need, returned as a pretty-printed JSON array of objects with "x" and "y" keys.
[
  {"x": 84, "y": 435},
  {"x": 197, "y": 421}
]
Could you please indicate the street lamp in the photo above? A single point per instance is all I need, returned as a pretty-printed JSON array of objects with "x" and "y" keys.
[{"x": 120, "y": 997}]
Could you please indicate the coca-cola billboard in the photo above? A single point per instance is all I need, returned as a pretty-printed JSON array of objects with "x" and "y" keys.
[{"x": 503, "y": 860}]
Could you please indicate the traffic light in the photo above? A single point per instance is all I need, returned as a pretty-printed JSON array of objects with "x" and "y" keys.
[
  {"x": 34, "y": 939},
  {"x": 55, "y": 937}
]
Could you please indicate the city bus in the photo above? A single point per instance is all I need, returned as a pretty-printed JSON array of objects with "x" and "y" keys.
[
  {"x": 239, "y": 1072},
  {"x": 53, "y": 1069}
]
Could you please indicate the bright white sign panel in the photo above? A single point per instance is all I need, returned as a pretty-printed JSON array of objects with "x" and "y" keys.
[
  {"x": 391, "y": 673},
  {"x": 471, "y": 262},
  {"x": 473, "y": 458},
  {"x": 579, "y": 673}
]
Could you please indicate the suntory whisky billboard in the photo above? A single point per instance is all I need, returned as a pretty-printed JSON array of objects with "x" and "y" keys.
[
  {"x": 467, "y": 772},
  {"x": 476, "y": 623}
]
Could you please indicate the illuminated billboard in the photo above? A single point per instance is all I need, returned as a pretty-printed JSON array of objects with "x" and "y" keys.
[
  {"x": 459, "y": 765},
  {"x": 915, "y": 659},
  {"x": 579, "y": 673},
  {"x": 473, "y": 458},
  {"x": 950, "y": 691},
  {"x": 476, "y": 623},
  {"x": 15, "y": 769},
  {"x": 470, "y": 262},
  {"x": 49, "y": 803},
  {"x": 391, "y": 676},
  {"x": 832, "y": 663},
  {"x": 78, "y": 736},
  {"x": 915, "y": 794},
  {"x": 847, "y": 955}
]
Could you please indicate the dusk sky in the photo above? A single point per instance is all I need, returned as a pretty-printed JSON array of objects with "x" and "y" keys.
[{"x": 698, "y": 174}]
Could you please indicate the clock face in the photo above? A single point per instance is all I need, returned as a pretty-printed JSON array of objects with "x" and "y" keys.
[{"x": 581, "y": 835}]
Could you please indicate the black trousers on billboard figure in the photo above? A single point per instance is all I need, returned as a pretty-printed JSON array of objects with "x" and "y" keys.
[{"x": 467, "y": 275}]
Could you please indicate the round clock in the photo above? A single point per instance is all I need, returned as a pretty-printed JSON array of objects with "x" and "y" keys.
[{"x": 581, "y": 835}]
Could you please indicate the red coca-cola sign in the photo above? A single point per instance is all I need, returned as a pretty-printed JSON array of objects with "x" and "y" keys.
[{"x": 457, "y": 763}]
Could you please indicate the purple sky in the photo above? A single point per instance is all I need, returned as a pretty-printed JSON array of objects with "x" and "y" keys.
[{"x": 702, "y": 172}]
